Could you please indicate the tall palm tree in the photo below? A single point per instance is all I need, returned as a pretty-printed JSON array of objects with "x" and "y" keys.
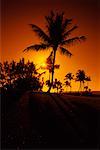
[
  {"x": 80, "y": 76},
  {"x": 69, "y": 76},
  {"x": 57, "y": 36}
]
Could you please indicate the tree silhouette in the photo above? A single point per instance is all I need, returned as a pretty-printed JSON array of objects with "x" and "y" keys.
[
  {"x": 19, "y": 75},
  {"x": 67, "y": 84},
  {"x": 80, "y": 76},
  {"x": 57, "y": 85},
  {"x": 27, "y": 83},
  {"x": 69, "y": 76},
  {"x": 86, "y": 88},
  {"x": 57, "y": 36}
]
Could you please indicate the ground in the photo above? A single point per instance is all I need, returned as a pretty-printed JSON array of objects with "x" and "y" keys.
[{"x": 41, "y": 120}]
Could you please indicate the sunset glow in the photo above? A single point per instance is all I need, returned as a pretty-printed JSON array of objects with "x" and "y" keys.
[
  {"x": 17, "y": 35},
  {"x": 50, "y": 74}
]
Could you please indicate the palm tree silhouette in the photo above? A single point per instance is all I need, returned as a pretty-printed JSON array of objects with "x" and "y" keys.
[
  {"x": 67, "y": 84},
  {"x": 80, "y": 76},
  {"x": 58, "y": 85},
  {"x": 69, "y": 76},
  {"x": 86, "y": 88},
  {"x": 57, "y": 36}
]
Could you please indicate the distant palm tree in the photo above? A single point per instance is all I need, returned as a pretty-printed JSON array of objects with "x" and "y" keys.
[
  {"x": 80, "y": 76},
  {"x": 69, "y": 76},
  {"x": 57, "y": 85},
  {"x": 58, "y": 35},
  {"x": 86, "y": 88},
  {"x": 67, "y": 84}
]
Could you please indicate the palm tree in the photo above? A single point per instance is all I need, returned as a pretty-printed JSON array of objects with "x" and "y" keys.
[
  {"x": 86, "y": 88},
  {"x": 57, "y": 36},
  {"x": 69, "y": 76},
  {"x": 67, "y": 84},
  {"x": 58, "y": 85},
  {"x": 80, "y": 76}
]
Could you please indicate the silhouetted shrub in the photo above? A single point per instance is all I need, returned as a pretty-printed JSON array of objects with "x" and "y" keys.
[
  {"x": 19, "y": 76},
  {"x": 27, "y": 83}
]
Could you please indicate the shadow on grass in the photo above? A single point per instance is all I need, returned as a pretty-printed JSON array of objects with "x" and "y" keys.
[{"x": 45, "y": 129}]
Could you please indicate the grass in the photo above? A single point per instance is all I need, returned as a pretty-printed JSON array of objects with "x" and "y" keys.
[{"x": 41, "y": 120}]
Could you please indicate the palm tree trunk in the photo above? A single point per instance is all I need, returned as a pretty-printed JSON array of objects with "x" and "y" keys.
[
  {"x": 49, "y": 75},
  {"x": 83, "y": 86},
  {"x": 54, "y": 50},
  {"x": 70, "y": 86}
]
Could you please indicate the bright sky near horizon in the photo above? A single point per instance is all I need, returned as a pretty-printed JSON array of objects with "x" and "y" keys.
[{"x": 17, "y": 34}]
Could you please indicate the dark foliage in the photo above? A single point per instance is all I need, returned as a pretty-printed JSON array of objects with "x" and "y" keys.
[
  {"x": 27, "y": 84},
  {"x": 19, "y": 76}
]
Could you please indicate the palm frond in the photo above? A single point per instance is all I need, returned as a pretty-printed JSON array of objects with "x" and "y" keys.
[
  {"x": 65, "y": 52},
  {"x": 65, "y": 24},
  {"x": 54, "y": 27},
  {"x": 73, "y": 40},
  {"x": 40, "y": 33},
  {"x": 70, "y": 31},
  {"x": 54, "y": 18},
  {"x": 37, "y": 47}
]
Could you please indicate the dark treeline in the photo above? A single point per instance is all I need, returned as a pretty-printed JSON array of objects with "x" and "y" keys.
[
  {"x": 19, "y": 75},
  {"x": 24, "y": 76}
]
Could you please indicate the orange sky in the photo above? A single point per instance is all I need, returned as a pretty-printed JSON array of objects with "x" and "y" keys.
[{"x": 17, "y": 35}]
